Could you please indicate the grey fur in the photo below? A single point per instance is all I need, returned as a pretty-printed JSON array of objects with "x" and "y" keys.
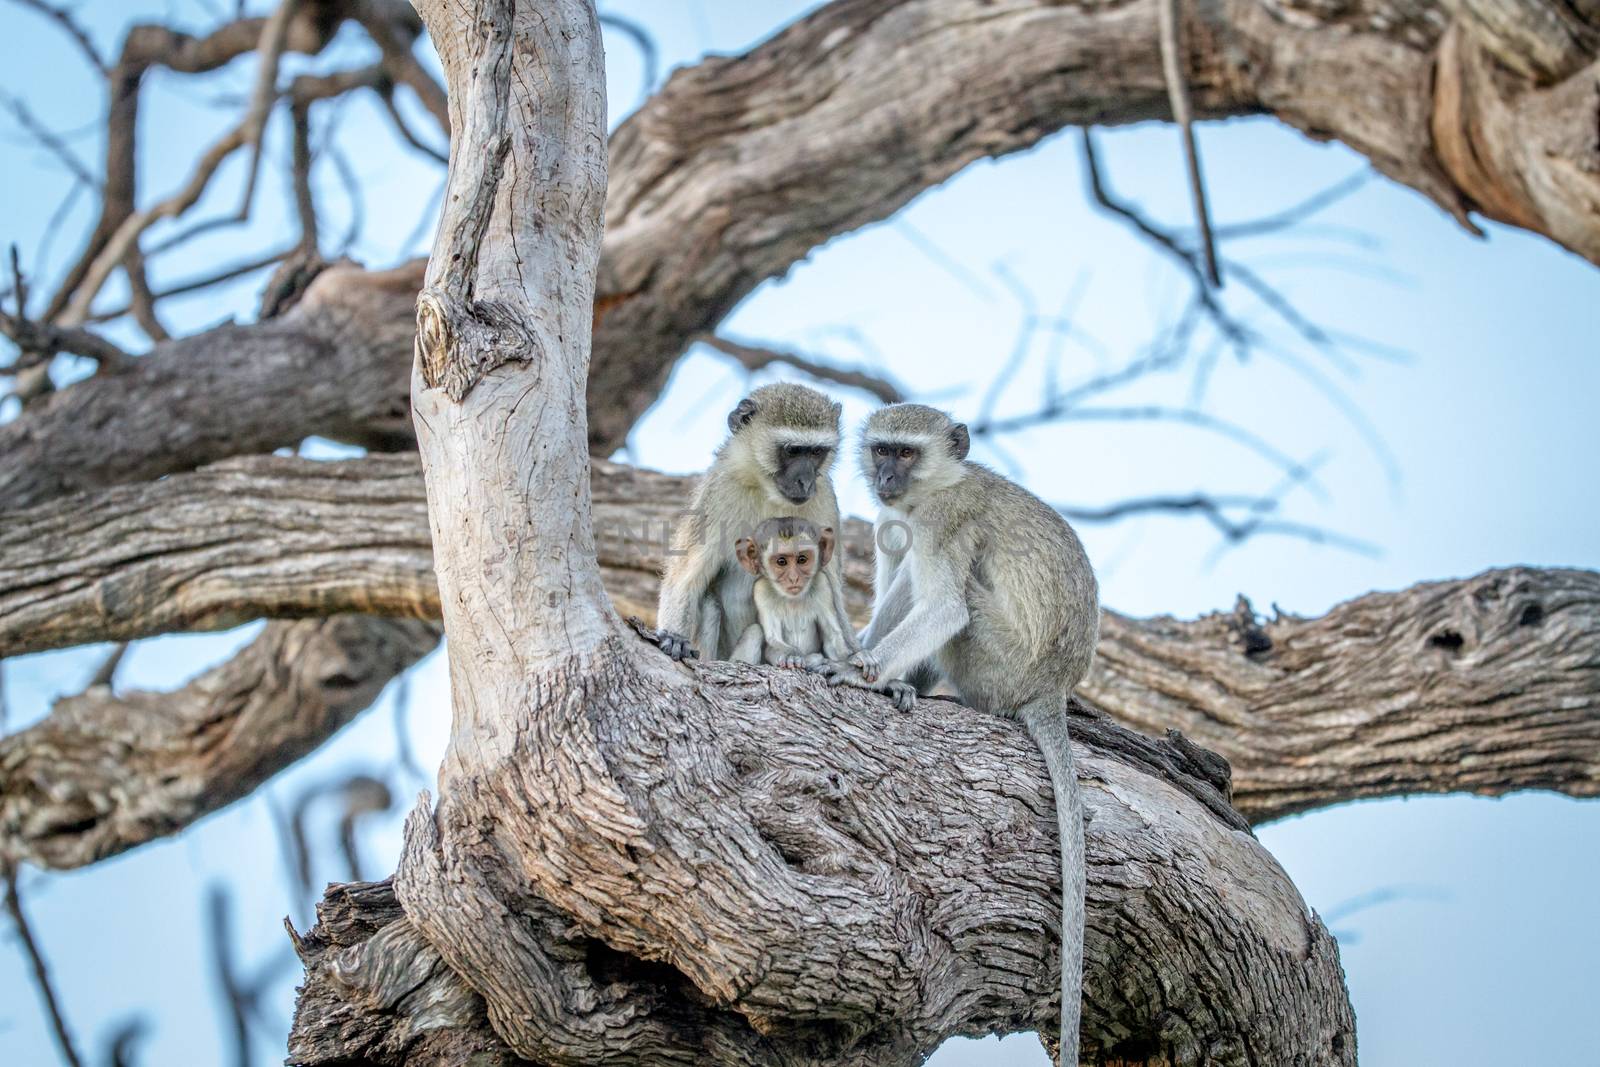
[
  {"x": 994, "y": 592},
  {"x": 705, "y": 595}
]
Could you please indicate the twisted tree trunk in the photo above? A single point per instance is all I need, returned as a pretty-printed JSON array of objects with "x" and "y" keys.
[{"x": 634, "y": 862}]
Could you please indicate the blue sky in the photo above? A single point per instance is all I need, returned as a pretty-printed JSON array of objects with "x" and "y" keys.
[{"x": 1463, "y": 439}]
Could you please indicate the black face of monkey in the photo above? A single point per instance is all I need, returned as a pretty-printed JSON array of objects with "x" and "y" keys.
[
  {"x": 892, "y": 463},
  {"x": 797, "y": 470}
]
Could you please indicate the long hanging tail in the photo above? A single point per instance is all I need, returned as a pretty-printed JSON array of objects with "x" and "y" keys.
[{"x": 1047, "y": 725}]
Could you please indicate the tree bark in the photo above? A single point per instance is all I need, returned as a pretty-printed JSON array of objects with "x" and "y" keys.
[
  {"x": 914, "y": 851},
  {"x": 106, "y": 771},
  {"x": 741, "y": 166},
  {"x": 1376, "y": 698}
]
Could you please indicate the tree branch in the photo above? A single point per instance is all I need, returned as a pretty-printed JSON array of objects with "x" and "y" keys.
[
  {"x": 1309, "y": 718},
  {"x": 702, "y": 206},
  {"x": 942, "y": 816},
  {"x": 106, "y": 772},
  {"x": 757, "y": 357}
]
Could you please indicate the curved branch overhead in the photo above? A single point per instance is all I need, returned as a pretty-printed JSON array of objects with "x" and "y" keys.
[
  {"x": 1486, "y": 685},
  {"x": 740, "y": 166}
]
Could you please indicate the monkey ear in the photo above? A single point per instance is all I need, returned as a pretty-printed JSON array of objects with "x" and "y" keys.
[
  {"x": 824, "y": 547},
  {"x": 960, "y": 440},
  {"x": 741, "y": 415},
  {"x": 749, "y": 555},
  {"x": 838, "y": 413}
]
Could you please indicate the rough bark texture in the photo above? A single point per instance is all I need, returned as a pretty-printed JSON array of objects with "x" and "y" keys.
[
  {"x": 908, "y": 869},
  {"x": 1487, "y": 685},
  {"x": 331, "y": 365},
  {"x": 741, "y": 166},
  {"x": 107, "y": 771}
]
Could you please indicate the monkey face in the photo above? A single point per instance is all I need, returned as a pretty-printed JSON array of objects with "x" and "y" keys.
[
  {"x": 797, "y": 468},
  {"x": 891, "y": 463},
  {"x": 790, "y": 566}
]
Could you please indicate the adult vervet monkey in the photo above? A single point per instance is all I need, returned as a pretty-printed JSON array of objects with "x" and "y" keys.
[
  {"x": 782, "y": 441},
  {"x": 987, "y": 586}
]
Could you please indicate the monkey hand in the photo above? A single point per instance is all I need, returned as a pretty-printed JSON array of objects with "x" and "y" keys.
[
  {"x": 675, "y": 645},
  {"x": 866, "y": 661},
  {"x": 790, "y": 659},
  {"x": 904, "y": 694}
]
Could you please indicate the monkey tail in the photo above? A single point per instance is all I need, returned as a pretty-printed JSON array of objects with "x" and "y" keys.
[{"x": 1047, "y": 725}]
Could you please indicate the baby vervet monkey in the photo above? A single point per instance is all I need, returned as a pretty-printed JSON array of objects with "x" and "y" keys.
[
  {"x": 985, "y": 585},
  {"x": 797, "y": 624}
]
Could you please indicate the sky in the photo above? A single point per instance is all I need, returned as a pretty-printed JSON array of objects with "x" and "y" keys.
[{"x": 1452, "y": 433}]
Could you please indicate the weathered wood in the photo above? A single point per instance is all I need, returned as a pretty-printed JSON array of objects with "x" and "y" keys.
[
  {"x": 107, "y": 771},
  {"x": 740, "y": 166},
  {"x": 638, "y": 862},
  {"x": 918, "y": 849},
  {"x": 1375, "y": 698}
]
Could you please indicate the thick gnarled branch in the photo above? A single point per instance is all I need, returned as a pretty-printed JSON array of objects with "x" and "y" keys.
[
  {"x": 106, "y": 772},
  {"x": 928, "y": 839},
  {"x": 1486, "y": 685}
]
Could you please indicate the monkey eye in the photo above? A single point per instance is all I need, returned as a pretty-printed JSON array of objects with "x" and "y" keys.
[
  {"x": 780, "y": 561},
  {"x": 907, "y": 453},
  {"x": 794, "y": 451},
  {"x": 880, "y": 450},
  {"x": 801, "y": 559}
]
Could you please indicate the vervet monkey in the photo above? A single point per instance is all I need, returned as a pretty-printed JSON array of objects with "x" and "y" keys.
[
  {"x": 982, "y": 583},
  {"x": 796, "y": 621},
  {"x": 782, "y": 441}
]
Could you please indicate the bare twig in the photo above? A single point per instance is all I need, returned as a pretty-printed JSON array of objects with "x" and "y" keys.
[
  {"x": 1297, "y": 213},
  {"x": 273, "y": 37},
  {"x": 37, "y": 342},
  {"x": 64, "y": 19},
  {"x": 649, "y": 55},
  {"x": 236, "y": 997},
  {"x": 395, "y": 41},
  {"x": 756, "y": 357},
  {"x": 270, "y": 43},
  {"x": 205, "y": 281},
  {"x": 386, "y": 94},
  {"x": 120, "y": 1041},
  {"x": 300, "y": 164},
  {"x": 107, "y": 672},
  {"x": 1172, "y": 69},
  {"x": 363, "y": 795},
  {"x": 402, "y": 729},
  {"x": 48, "y": 139},
  {"x": 41, "y": 972}
]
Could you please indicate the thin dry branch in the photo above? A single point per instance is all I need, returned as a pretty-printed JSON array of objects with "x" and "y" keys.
[
  {"x": 41, "y": 970},
  {"x": 754, "y": 357},
  {"x": 1173, "y": 67},
  {"x": 246, "y": 134},
  {"x": 63, "y": 18}
]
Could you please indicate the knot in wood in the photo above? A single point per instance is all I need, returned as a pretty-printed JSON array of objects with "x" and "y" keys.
[{"x": 459, "y": 341}]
